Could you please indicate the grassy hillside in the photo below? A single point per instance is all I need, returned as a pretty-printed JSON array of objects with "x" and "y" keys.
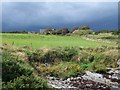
[
  {"x": 26, "y": 67},
  {"x": 49, "y": 41}
]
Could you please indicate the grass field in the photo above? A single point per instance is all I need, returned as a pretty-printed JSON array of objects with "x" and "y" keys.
[{"x": 50, "y": 41}]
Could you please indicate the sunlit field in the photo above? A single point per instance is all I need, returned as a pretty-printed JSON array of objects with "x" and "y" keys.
[{"x": 49, "y": 41}]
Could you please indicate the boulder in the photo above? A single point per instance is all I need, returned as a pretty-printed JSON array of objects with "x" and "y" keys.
[
  {"x": 94, "y": 77},
  {"x": 68, "y": 79},
  {"x": 118, "y": 62}
]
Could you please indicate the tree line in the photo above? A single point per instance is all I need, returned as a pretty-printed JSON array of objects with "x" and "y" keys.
[{"x": 64, "y": 31}]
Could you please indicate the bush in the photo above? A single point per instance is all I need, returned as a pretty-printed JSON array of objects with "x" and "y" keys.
[
  {"x": 35, "y": 56},
  {"x": 69, "y": 53},
  {"x": 109, "y": 37},
  {"x": 13, "y": 68},
  {"x": 85, "y": 67},
  {"x": 82, "y": 32},
  {"x": 98, "y": 61},
  {"x": 62, "y": 69},
  {"x": 63, "y": 31},
  {"x": 103, "y": 61},
  {"x": 45, "y": 57},
  {"x": 99, "y": 68},
  {"x": 86, "y": 57},
  {"x": 53, "y": 55},
  {"x": 116, "y": 32},
  {"x": 26, "y": 82},
  {"x": 102, "y": 31},
  {"x": 18, "y": 74}
]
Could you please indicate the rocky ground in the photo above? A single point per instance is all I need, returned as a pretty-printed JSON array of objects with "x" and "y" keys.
[{"x": 88, "y": 81}]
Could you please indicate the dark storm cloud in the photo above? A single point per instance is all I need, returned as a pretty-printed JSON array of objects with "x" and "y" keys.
[{"x": 33, "y": 16}]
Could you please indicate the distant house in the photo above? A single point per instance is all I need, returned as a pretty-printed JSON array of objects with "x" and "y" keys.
[
  {"x": 42, "y": 30},
  {"x": 31, "y": 32}
]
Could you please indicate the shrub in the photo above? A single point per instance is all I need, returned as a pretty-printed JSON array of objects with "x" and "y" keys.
[
  {"x": 116, "y": 32},
  {"x": 13, "y": 68},
  {"x": 85, "y": 67},
  {"x": 62, "y": 31},
  {"x": 18, "y": 74},
  {"x": 82, "y": 32},
  {"x": 109, "y": 37},
  {"x": 26, "y": 82},
  {"x": 99, "y": 68},
  {"x": 35, "y": 56},
  {"x": 62, "y": 69},
  {"x": 53, "y": 55},
  {"x": 102, "y": 31},
  {"x": 86, "y": 57},
  {"x": 103, "y": 61},
  {"x": 45, "y": 57},
  {"x": 69, "y": 53}
]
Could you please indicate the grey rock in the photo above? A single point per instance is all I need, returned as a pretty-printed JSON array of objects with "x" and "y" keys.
[
  {"x": 68, "y": 79},
  {"x": 71, "y": 78},
  {"x": 88, "y": 79},
  {"x": 117, "y": 71},
  {"x": 78, "y": 78},
  {"x": 118, "y": 62},
  {"x": 51, "y": 78}
]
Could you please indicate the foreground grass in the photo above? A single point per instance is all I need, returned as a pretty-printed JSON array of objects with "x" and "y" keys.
[
  {"x": 61, "y": 62},
  {"x": 19, "y": 74},
  {"x": 21, "y": 66},
  {"x": 49, "y": 41}
]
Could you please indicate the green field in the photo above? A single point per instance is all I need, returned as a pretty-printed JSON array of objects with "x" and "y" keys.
[{"x": 49, "y": 41}]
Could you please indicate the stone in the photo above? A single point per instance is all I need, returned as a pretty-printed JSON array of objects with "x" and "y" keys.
[
  {"x": 86, "y": 77},
  {"x": 65, "y": 81},
  {"x": 94, "y": 75},
  {"x": 110, "y": 72},
  {"x": 109, "y": 76},
  {"x": 117, "y": 71},
  {"x": 114, "y": 76},
  {"x": 51, "y": 78},
  {"x": 75, "y": 78},
  {"x": 57, "y": 78},
  {"x": 88, "y": 80},
  {"x": 118, "y": 62},
  {"x": 61, "y": 79},
  {"x": 78, "y": 78},
  {"x": 71, "y": 78},
  {"x": 68, "y": 79}
]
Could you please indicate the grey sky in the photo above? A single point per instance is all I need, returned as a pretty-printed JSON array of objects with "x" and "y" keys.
[{"x": 35, "y": 15}]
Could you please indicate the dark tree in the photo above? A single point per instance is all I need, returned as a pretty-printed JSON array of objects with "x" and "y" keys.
[
  {"x": 65, "y": 31},
  {"x": 48, "y": 31},
  {"x": 84, "y": 27},
  {"x": 62, "y": 31}
]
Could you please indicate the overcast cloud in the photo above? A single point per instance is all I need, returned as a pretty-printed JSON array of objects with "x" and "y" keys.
[{"x": 33, "y": 16}]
